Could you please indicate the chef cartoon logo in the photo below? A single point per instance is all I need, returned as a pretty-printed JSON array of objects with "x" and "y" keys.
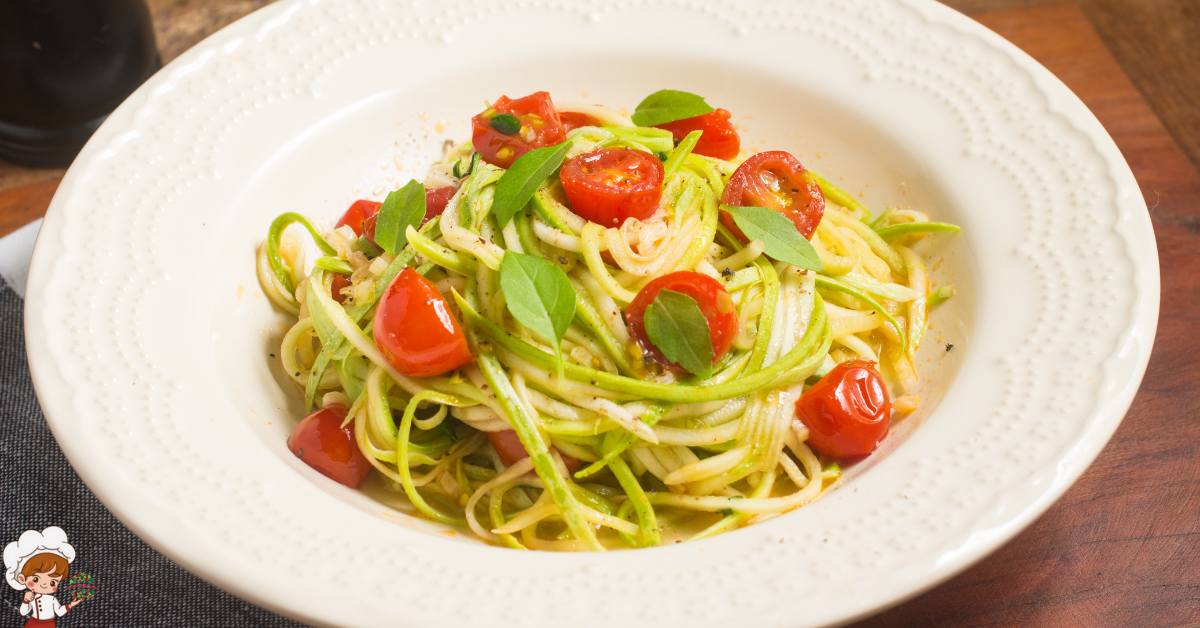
[{"x": 38, "y": 563}]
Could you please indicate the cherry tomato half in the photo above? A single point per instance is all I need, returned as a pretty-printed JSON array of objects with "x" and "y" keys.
[
  {"x": 511, "y": 451},
  {"x": 360, "y": 212},
  {"x": 416, "y": 331},
  {"x": 775, "y": 180},
  {"x": 709, "y": 294},
  {"x": 847, "y": 412},
  {"x": 323, "y": 444},
  {"x": 572, "y": 120},
  {"x": 609, "y": 185},
  {"x": 540, "y": 127},
  {"x": 718, "y": 138}
]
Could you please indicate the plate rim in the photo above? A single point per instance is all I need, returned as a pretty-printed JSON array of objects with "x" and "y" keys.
[{"x": 48, "y": 379}]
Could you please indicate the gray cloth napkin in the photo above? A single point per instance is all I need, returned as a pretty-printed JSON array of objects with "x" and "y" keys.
[{"x": 38, "y": 488}]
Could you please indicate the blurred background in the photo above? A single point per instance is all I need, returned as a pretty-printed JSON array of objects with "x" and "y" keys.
[{"x": 1155, "y": 42}]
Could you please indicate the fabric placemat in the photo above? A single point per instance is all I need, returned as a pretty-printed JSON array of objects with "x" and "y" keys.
[{"x": 38, "y": 488}]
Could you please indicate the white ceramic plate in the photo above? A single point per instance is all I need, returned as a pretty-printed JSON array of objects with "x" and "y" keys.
[{"x": 149, "y": 338}]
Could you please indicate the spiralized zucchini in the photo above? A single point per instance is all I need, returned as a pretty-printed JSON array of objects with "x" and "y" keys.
[{"x": 663, "y": 457}]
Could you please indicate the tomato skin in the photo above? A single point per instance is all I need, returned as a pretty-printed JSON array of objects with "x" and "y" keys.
[
  {"x": 339, "y": 281},
  {"x": 511, "y": 451},
  {"x": 436, "y": 201},
  {"x": 709, "y": 294},
  {"x": 775, "y": 180},
  {"x": 415, "y": 330},
  {"x": 610, "y": 185},
  {"x": 847, "y": 412},
  {"x": 718, "y": 139},
  {"x": 360, "y": 212},
  {"x": 572, "y": 120},
  {"x": 323, "y": 444},
  {"x": 540, "y": 127}
]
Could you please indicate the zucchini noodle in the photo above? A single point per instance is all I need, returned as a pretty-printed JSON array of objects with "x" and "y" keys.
[{"x": 619, "y": 452}]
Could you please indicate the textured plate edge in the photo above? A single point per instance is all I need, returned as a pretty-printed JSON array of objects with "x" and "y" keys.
[{"x": 1071, "y": 110}]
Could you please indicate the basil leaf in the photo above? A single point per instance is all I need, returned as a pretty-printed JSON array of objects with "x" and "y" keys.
[
  {"x": 678, "y": 328},
  {"x": 400, "y": 209},
  {"x": 668, "y": 105},
  {"x": 781, "y": 240},
  {"x": 505, "y": 123},
  {"x": 539, "y": 295},
  {"x": 528, "y": 172}
]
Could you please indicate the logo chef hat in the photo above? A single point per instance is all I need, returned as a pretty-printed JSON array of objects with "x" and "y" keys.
[{"x": 52, "y": 540}]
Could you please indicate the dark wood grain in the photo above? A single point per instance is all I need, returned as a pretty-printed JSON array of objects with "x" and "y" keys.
[{"x": 1122, "y": 548}]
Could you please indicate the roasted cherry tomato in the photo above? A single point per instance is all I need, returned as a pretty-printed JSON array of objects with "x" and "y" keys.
[
  {"x": 511, "y": 451},
  {"x": 416, "y": 331},
  {"x": 323, "y": 444},
  {"x": 540, "y": 127},
  {"x": 775, "y": 180},
  {"x": 709, "y": 294},
  {"x": 847, "y": 412},
  {"x": 572, "y": 120},
  {"x": 607, "y": 186},
  {"x": 718, "y": 138}
]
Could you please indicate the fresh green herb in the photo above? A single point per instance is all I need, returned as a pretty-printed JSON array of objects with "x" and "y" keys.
[
  {"x": 368, "y": 247},
  {"x": 335, "y": 264},
  {"x": 401, "y": 208},
  {"x": 680, "y": 153},
  {"x": 661, "y": 156},
  {"x": 908, "y": 228},
  {"x": 528, "y": 172},
  {"x": 505, "y": 123},
  {"x": 668, "y": 105},
  {"x": 539, "y": 295},
  {"x": 781, "y": 240},
  {"x": 678, "y": 328}
]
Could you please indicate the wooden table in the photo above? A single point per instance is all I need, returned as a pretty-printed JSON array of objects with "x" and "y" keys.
[{"x": 1122, "y": 548}]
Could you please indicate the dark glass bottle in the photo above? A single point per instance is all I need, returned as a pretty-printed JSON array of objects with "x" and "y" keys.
[{"x": 64, "y": 66}]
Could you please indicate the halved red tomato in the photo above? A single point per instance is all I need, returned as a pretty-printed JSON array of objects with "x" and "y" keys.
[
  {"x": 415, "y": 330},
  {"x": 775, "y": 180},
  {"x": 572, "y": 120},
  {"x": 540, "y": 126},
  {"x": 511, "y": 451},
  {"x": 357, "y": 216},
  {"x": 609, "y": 185},
  {"x": 847, "y": 412},
  {"x": 718, "y": 138},
  {"x": 323, "y": 444},
  {"x": 709, "y": 294}
]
